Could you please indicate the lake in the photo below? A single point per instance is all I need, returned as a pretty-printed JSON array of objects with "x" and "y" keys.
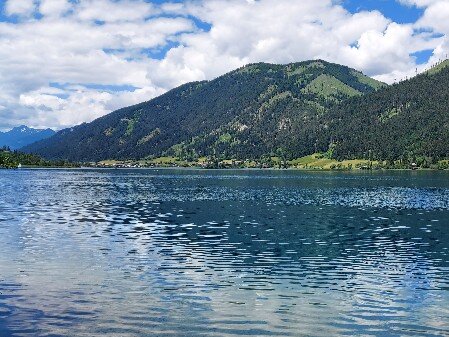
[{"x": 168, "y": 252}]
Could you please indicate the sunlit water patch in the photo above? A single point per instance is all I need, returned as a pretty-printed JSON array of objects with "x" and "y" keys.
[{"x": 223, "y": 253}]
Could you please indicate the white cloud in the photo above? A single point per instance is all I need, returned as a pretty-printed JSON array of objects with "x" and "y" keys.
[
  {"x": 88, "y": 44},
  {"x": 436, "y": 16},
  {"x": 434, "y": 21},
  {"x": 112, "y": 11},
  {"x": 65, "y": 50},
  {"x": 54, "y": 7},
  {"x": 284, "y": 31},
  {"x": 20, "y": 7},
  {"x": 81, "y": 105},
  {"x": 420, "y": 3}
]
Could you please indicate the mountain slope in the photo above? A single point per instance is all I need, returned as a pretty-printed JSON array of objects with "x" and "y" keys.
[
  {"x": 408, "y": 121},
  {"x": 438, "y": 67},
  {"x": 22, "y": 136},
  {"x": 250, "y": 112}
]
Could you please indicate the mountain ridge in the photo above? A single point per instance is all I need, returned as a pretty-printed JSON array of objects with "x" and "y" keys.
[
  {"x": 250, "y": 112},
  {"x": 23, "y": 135}
]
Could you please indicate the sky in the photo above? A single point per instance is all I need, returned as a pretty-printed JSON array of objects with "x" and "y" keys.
[{"x": 65, "y": 62}]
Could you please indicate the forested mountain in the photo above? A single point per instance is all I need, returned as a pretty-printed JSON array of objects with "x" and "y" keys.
[
  {"x": 408, "y": 121},
  {"x": 22, "y": 136},
  {"x": 253, "y": 111}
]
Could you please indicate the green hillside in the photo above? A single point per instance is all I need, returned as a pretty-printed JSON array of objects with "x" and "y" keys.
[
  {"x": 257, "y": 110},
  {"x": 407, "y": 121},
  {"x": 438, "y": 67}
]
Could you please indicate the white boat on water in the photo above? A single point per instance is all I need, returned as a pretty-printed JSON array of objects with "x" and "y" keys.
[{"x": 19, "y": 166}]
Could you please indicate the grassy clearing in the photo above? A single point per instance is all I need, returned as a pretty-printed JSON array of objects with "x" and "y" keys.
[
  {"x": 329, "y": 86},
  {"x": 317, "y": 161},
  {"x": 436, "y": 69},
  {"x": 109, "y": 162},
  {"x": 368, "y": 80},
  {"x": 163, "y": 160}
]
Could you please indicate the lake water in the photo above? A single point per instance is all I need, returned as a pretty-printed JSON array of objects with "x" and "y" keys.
[{"x": 223, "y": 253}]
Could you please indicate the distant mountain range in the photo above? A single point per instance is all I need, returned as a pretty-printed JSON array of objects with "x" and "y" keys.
[
  {"x": 264, "y": 110},
  {"x": 22, "y": 136}
]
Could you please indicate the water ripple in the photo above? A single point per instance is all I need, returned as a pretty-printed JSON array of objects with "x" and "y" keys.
[{"x": 228, "y": 253}]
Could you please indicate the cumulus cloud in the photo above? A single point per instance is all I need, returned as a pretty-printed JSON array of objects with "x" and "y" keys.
[
  {"x": 54, "y": 7},
  {"x": 66, "y": 47},
  {"x": 436, "y": 17},
  {"x": 78, "y": 60},
  {"x": 20, "y": 7},
  {"x": 112, "y": 11},
  {"x": 435, "y": 23},
  {"x": 284, "y": 31}
]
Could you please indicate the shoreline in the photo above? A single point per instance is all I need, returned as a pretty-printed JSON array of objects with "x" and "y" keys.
[{"x": 199, "y": 168}]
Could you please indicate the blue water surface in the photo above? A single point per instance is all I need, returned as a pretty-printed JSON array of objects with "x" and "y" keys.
[{"x": 223, "y": 253}]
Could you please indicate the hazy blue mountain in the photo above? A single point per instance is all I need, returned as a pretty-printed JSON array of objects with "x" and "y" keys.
[{"x": 22, "y": 136}]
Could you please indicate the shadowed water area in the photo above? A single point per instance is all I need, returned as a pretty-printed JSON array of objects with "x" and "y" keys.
[{"x": 223, "y": 253}]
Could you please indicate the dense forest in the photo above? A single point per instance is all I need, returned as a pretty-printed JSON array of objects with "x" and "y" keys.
[
  {"x": 12, "y": 159},
  {"x": 408, "y": 121},
  {"x": 253, "y": 111}
]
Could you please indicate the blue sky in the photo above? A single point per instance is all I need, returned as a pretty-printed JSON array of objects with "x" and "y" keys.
[
  {"x": 397, "y": 12},
  {"x": 393, "y": 10},
  {"x": 64, "y": 62}
]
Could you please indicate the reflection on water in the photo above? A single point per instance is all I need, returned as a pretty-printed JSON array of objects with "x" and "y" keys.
[{"x": 224, "y": 253}]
